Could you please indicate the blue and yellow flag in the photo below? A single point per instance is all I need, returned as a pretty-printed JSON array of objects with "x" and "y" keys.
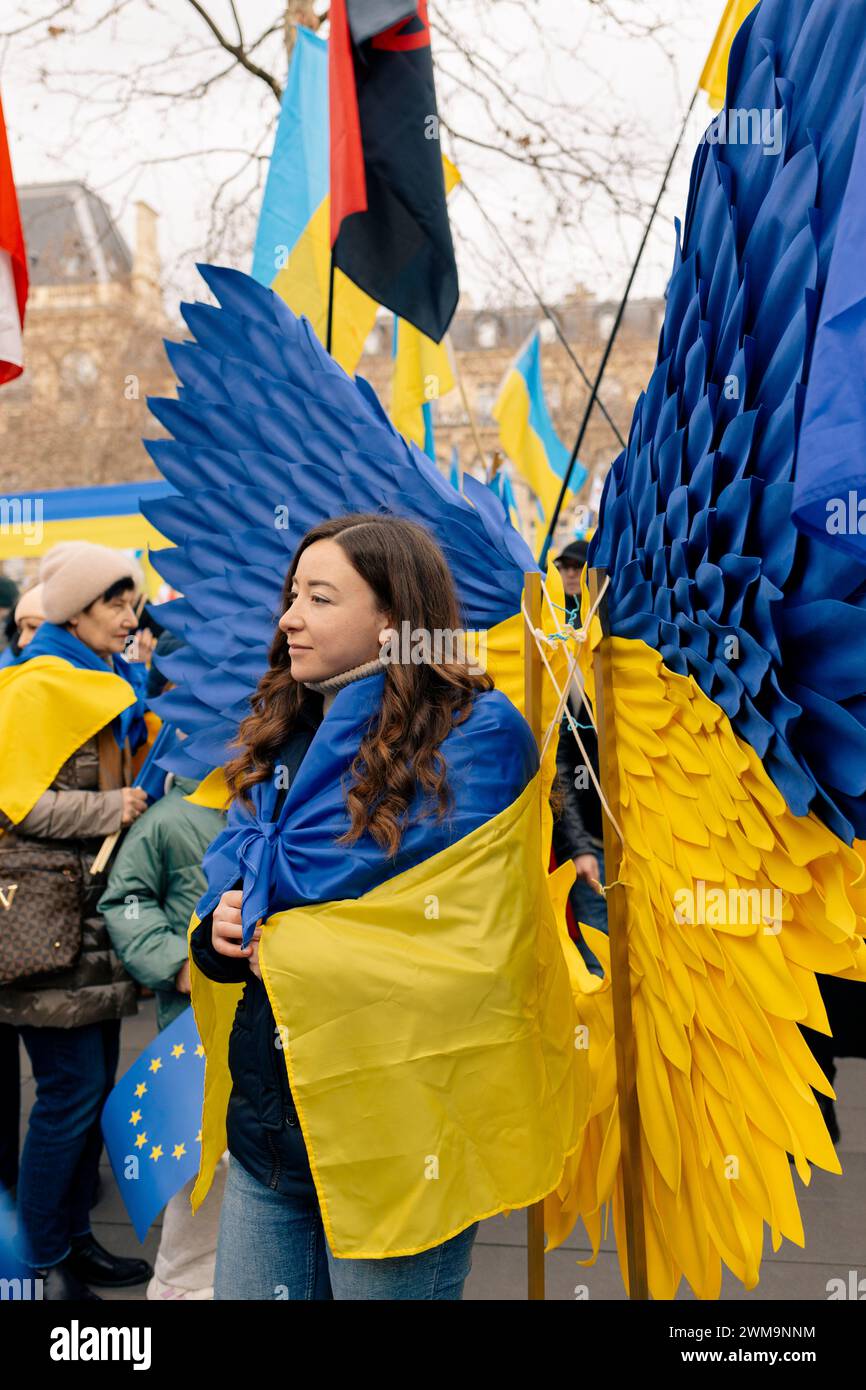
[
  {"x": 293, "y": 249},
  {"x": 106, "y": 515},
  {"x": 526, "y": 429},
  {"x": 424, "y": 1001},
  {"x": 53, "y": 698},
  {"x": 151, "y": 1122}
]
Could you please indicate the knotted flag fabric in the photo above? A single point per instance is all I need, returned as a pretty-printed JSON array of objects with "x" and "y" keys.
[{"x": 739, "y": 695}]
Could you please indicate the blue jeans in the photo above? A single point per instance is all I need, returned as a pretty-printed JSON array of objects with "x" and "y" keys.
[
  {"x": 589, "y": 906},
  {"x": 74, "y": 1070},
  {"x": 271, "y": 1246}
]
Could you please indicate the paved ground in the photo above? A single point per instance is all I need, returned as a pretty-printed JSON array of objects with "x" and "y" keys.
[{"x": 834, "y": 1218}]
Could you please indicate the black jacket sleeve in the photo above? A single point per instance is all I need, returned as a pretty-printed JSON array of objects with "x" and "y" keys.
[
  {"x": 223, "y": 970},
  {"x": 579, "y": 817}
]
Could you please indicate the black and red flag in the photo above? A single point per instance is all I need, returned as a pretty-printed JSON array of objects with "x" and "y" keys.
[{"x": 389, "y": 220}]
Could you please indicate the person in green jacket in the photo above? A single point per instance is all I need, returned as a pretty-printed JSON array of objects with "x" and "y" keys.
[{"x": 152, "y": 890}]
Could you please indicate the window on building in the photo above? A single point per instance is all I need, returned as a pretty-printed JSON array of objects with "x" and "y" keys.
[{"x": 488, "y": 332}]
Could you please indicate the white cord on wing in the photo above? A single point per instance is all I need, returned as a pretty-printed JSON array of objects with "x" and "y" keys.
[{"x": 579, "y": 636}]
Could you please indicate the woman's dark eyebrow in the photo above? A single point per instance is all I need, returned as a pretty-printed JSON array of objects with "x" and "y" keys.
[{"x": 326, "y": 583}]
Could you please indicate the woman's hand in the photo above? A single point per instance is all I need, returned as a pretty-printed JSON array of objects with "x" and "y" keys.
[
  {"x": 133, "y": 803},
  {"x": 254, "y": 947},
  {"x": 227, "y": 928},
  {"x": 586, "y": 869}
]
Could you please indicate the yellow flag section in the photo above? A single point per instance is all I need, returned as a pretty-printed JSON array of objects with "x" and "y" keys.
[
  {"x": 714, "y": 78},
  {"x": 429, "y": 1036},
  {"x": 48, "y": 708},
  {"x": 733, "y": 905}
]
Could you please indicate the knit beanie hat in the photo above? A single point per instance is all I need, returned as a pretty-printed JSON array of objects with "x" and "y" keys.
[
  {"x": 74, "y": 573},
  {"x": 29, "y": 605}
]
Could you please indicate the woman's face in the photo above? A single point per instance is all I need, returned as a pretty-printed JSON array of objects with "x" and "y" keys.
[
  {"x": 333, "y": 621},
  {"x": 105, "y": 627}
]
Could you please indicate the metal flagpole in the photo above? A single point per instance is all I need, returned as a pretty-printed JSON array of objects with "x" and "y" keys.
[
  {"x": 532, "y": 674},
  {"x": 620, "y": 971},
  {"x": 329, "y": 330}
]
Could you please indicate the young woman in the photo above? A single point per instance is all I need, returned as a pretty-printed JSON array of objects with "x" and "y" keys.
[
  {"x": 354, "y": 769},
  {"x": 70, "y": 718}
]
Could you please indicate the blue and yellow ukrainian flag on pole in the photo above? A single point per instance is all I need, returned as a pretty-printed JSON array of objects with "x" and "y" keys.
[
  {"x": 526, "y": 429},
  {"x": 293, "y": 251}
]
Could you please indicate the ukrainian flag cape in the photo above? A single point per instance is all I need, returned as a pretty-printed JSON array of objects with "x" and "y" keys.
[
  {"x": 427, "y": 1016},
  {"x": 53, "y": 699}
]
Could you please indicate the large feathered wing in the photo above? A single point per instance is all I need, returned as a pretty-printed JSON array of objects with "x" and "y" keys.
[
  {"x": 270, "y": 436},
  {"x": 739, "y": 687}
]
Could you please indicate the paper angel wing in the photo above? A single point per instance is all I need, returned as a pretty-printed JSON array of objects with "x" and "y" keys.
[
  {"x": 739, "y": 678},
  {"x": 270, "y": 436}
]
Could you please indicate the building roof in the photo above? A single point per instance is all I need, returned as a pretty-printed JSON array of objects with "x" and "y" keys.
[{"x": 71, "y": 236}]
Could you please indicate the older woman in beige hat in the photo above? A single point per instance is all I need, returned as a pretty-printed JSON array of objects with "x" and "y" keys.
[{"x": 59, "y": 797}]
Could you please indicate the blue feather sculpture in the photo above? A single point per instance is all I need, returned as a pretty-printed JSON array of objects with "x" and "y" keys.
[
  {"x": 270, "y": 436},
  {"x": 696, "y": 527}
]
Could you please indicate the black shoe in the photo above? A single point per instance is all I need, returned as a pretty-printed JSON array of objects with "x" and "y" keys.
[
  {"x": 828, "y": 1110},
  {"x": 60, "y": 1284},
  {"x": 92, "y": 1263}
]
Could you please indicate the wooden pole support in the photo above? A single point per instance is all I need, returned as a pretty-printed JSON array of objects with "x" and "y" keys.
[
  {"x": 532, "y": 674},
  {"x": 620, "y": 978}
]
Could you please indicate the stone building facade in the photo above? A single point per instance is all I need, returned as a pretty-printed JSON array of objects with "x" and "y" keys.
[
  {"x": 93, "y": 346},
  {"x": 486, "y": 342}
]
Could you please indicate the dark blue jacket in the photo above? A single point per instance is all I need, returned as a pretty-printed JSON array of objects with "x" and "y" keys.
[{"x": 262, "y": 1126}]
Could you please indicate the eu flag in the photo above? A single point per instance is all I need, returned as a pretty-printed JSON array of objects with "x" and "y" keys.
[{"x": 152, "y": 1121}]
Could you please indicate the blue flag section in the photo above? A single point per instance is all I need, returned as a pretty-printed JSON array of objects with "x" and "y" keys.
[
  {"x": 151, "y": 775},
  {"x": 152, "y": 1122},
  {"x": 830, "y": 480}
]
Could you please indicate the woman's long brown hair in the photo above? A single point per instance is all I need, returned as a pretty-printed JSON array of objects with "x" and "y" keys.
[{"x": 410, "y": 578}]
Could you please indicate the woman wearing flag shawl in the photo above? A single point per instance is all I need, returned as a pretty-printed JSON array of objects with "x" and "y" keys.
[
  {"x": 70, "y": 718},
  {"x": 377, "y": 978}
]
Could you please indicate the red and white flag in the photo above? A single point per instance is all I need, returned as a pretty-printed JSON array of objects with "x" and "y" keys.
[{"x": 13, "y": 268}]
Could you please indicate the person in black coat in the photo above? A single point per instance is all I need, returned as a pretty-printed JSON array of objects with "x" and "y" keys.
[{"x": 577, "y": 828}]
